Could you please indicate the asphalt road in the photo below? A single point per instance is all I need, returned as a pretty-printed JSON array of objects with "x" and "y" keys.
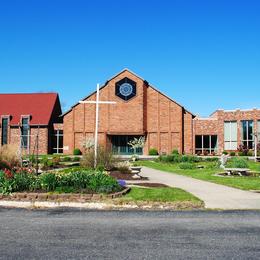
[{"x": 76, "y": 234}]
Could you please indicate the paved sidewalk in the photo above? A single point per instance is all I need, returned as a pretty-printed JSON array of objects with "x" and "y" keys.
[{"x": 214, "y": 195}]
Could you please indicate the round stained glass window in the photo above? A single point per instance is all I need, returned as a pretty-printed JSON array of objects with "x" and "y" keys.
[{"x": 126, "y": 89}]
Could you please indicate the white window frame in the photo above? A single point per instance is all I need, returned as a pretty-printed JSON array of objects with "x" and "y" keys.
[
  {"x": 210, "y": 149},
  {"x": 28, "y": 135},
  {"x": 230, "y": 141},
  {"x": 57, "y": 135}
]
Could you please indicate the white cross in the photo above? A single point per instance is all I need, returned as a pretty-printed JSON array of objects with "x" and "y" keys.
[{"x": 97, "y": 102}]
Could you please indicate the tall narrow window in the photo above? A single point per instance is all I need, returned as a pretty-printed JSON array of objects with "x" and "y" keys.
[
  {"x": 58, "y": 134},
  {"x": 247, "y": 133},
  {"x": 230, "y": 135},
  {"x": 4, "y": 131},
  {"x": 25, "y": 131}
]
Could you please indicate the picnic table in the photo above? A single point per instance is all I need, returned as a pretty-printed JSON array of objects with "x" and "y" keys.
[{"x": 238, "y": 171}]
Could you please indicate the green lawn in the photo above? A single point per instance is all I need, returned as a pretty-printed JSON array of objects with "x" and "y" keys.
[
  {"x": 207, "y": 174},
  {"x": 159, "y": 195}
]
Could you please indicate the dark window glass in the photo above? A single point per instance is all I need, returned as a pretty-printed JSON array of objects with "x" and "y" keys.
[
  {"x": 4, "y": 131},
  {"x": 206, "y": 141},
  {"x": 25, "y": 133},
  {"x": 214, "y": 141},
  {"x": 198, "y": 142}
]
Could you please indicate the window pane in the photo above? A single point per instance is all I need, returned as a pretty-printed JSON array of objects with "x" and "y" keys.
[
  {"x": 233, "y": 146},
  {"x": 206, "y": 141},
  {"x": 25, "y": 133},
  {"x": 214, "y": 142},
  {"x": 244, "y": 130},
  {"x": 227, "y": 146},
  {"x": 198, "y": 142},
  {"x": 250, "y": 130},
  {"x": 233, "y": 131},
  {"x": 227, "y": 131},
  {"x": 4, "y": 130}
]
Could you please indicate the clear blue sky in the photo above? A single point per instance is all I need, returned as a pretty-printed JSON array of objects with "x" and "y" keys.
[{"x": 203, "y": 54}]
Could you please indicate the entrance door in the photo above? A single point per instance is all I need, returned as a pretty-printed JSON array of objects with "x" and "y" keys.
[{"x": 120, "y": 145}]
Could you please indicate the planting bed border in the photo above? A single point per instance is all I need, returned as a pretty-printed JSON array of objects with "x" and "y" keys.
[{"x": 68, "y": 197}]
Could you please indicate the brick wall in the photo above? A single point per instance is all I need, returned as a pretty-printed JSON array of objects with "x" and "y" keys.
[
  {"x": 215, "y": 124},
  {"x": 149, "y": 113}
]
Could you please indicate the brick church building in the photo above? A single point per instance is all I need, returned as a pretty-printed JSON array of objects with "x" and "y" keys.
[
  {"x": 26, "y": 116},
  {"x": 139, "y": 110}
]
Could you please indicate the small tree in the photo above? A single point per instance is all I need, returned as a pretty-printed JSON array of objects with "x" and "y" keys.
[
  {"x": 88, "y": 144},
  {"x": 137, "y": 143}
]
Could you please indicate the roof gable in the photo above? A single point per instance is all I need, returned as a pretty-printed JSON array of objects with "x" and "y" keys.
[
  {"x": 39, "y": 106},
  {"x": 117, "y": 75}
]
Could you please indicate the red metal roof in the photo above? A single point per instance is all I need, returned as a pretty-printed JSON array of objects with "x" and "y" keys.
[{"x": 38, "y": 105}]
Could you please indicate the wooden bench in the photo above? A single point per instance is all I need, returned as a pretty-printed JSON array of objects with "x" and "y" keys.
[{"x": 238, "y": 171}]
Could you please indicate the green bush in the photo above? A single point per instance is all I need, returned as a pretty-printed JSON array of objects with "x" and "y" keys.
[
  {"x": 44, "y": 160},
  {"x": 237, "y": 163},
  {"x": 76, "y": 159},
  {"x": 186, "y": 166},
  {"x": 153, "y": 151},
  {"x": 250, "y": 153},
  {"x": 77, "y": 151},
  {"x": 232, "y": 154},
  {"x": 4, "y": 165},
  {"x": 56, "y": 160},
  {"x": 225, "y": 152},
  {"x": 211, "y": 159},
  {"x": 241, "y": 154},
  {"x": 17, "y": 181},
  {"x": 66, "y": 159},
  {"x": 175, "y": 151},
  {"x": 74, "y": 180},
  {"x": 177, "y": 158},
  {"x": 50, "y": 163}
]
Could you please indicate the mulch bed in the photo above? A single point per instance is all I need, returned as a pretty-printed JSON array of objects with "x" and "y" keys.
[
  {"x": 152, "y": 185},
  {"x": 124, "y": 176}
]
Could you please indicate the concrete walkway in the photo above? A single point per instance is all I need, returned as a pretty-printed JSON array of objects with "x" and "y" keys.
[{"x": 214, "y": 195}]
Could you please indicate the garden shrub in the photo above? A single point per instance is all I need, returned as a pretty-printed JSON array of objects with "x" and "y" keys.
[
  {"x": 186, "y": 166},
  {"x": 44, "y": 160},
  {"x": 237, "y": 163},
  {"x": 240, "y": 154},
  {"x": 175, "y": 151},
  {"x": 225, "y": 152},
  {"x": 66, "y": 159},
  {"x": 77, "y": 151},
  {"x": 76, "y": 159},
  {"x": 250, "y": 153},
  {"x": 77, "y": 181},
  {"x": 105, "y": 159},
  {"x": 153, "y": 151},
  {"x": 232, "y": 154},
  {"x": 177, "y": 158},
  {"x": 56, "y": 160},
  {"x": 211, "y": 159},
  {"x": 9, "y": 153},
  {"x": 242, "y": 149},
  {"x": 5, "y": 165}
]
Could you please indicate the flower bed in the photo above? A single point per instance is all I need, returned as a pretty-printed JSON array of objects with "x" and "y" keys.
[{"x": 79, "y": 181}]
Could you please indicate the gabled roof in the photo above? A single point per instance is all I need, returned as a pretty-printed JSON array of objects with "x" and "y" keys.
[
  {"x": 135, "y": 76},
  {"x": 38, "y": 105}
]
